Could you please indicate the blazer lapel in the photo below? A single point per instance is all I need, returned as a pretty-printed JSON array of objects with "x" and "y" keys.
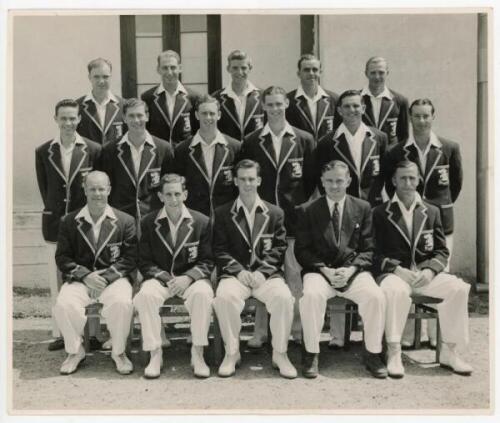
[
  {"x": 227, "y": 104},
  {"x": 240, "y": 221},
  {"x": 395, "y": 217},
  {"x": 90, "y": 109},
  {"x": 419, "y": 218},
  {"x": 162, "y": 229},
  {"x": 433, "y": 157},
  {"x": 77, "y": 159},
  {"x": 55, "y": 159},
  {"x": 112, "y": 110},
  {"x": 266, "y": 144},
  {"x": 196, "y": 156},
  {"x": 260, "y": 224},
  {"x": 369, "y": 144},
  {"x": 369, "y": 111},
  {"x": 287, "y": 145},
  {"x": 85, "y": 229},
  {"x": 160, "y": 103},
  {"x": 323, "y": 106},
  {"x": 342, "y": 147},
  {"x": 179, "y": 106},
  {"x": 147, "y": 158},
  {"x": 253, "y": 100},
  {"x": 303, "y": 108},
  {"x": 385, "y": 108},
  {"x": 183, "y": 234},
  {"x": 108, "y": 228},
  {"x": 220, "y": 154},
  {"x": 125, "y": 157}
]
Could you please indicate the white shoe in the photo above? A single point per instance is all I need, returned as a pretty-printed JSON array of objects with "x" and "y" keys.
[
  {"x": 450, "y": 359},
  {"x": 229, "y": 364},
  {"x": 70, "y": 365},
  {"x": 281, "y": 361},
  {"x": 198, "y": 364},
  {"x": 123, "y": 364},
  {"x": 395, "y": 367},
  {"x": 108, "y": 345},
  {"x": 335, "y": 344},
  {"x": 153, "y": 369},
  {"x": 256, "y": 341}
]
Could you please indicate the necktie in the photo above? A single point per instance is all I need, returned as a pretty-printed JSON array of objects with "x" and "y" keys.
[{"x": 336, "y": 222}]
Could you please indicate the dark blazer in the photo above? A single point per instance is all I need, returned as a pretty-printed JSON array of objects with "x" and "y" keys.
[
  {"x": 191, "y": 255},
  {"x": 393, "y": 118},
  {"x": 425, "y": 246},
  {"x": 366, "y": 184},
  {"x": 183, "y": 123},
  {"x": 203, "y": 195},
  {"x": 299, "y": 115},
  {"x": 136, "y": 195},
  {"x": 229, "y": 122},
  {"x": 286, "y": 182},
  {"x": 114, "y": 126},
  {"x": 440, "y": 181},
  {"x": 61, "y": 196},
  {"x": 236, "y": 250},
  {"x": 78, "y": 254}
]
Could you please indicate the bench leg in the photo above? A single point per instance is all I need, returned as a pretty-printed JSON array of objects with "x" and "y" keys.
[
  {"x": 438, "y": 340},
  {"x": 86, "y": 336},
  {"x": 128, "y": 346},
  {"x": 218, "y": 343},
  {"x": 418, "y": 328},
  {"x": 348, "y": 326}
]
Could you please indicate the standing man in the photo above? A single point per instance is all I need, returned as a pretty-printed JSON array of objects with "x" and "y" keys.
[
  {"x": 311, "y": 108},
  {"x": 96, "y": 252},
  {"x": 175, "y": 259},
  {"x": 411, "y": 256},
  {"x": 334, "y": 247},
  {"x": 241, "y": 109},
  {"x": 285, "y": 156},
  {"x": 171, "y": 105},
  {"x": 102, "y": 118},
  {"x": 61, "y": 165},
  {"x": 207, "y": 159},
  {"x": 386, "y": 109},
  {"x": 249, "y": 247}
]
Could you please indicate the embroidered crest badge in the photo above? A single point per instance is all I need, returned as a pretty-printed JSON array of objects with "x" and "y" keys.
[
  {"x": 429, "y": 241},
  {"x": 393, "y": 124},
  {"x": 444, "y": 177},
  {"x": 329, "y": 123},
  {"x": 296, "y": 169},
  {"x": 187, "y": 123},
  {"x": 267, "y": 244},
  {"x": 259, "y": 124},
  {"x": 192, "y": 253},
  {"x": 375, "y": 166},
  {"x": 114, "y": 252},
  {"x": 154, "y": 178},
  {"x": 228, "y": 176},
  {"x": 119, "y": 129}
]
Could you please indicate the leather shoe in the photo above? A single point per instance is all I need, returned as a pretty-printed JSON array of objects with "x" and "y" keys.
[
  {"x": 70, "y": 365},
  {"x": 374, "y": 365},
  {"x": 395, "y": 367},
  {"x": 256, "y": 342},
  {"x": 56, "y": 344},
  {"x": 281, "y": 362},
  {"x": 123, "y": 364},
  {"x": 198, "y": 364},
  {"x": 450, "y": 359},
  {"x": 229, "y": 364},
  {"x": 310, "y": 365},
  {"x": 153, "y": 369}
]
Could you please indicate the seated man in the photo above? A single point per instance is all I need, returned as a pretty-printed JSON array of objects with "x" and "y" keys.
[
  {"x": 411, "y": 255},
  {"x": 335, "y": 248},
  {"x": 175, "y": 259},
  {"x": 96, "y": 253},
  {"x": 249, "y": 247}
]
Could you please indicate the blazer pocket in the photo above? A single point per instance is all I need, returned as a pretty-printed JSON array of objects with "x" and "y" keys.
[
  {"x": 153, "y": 176},
  {"x": 192, "y": 251},
  {"x": 114, "y": 250},
  {"x": 226, "y": 173},
  {"x": 443, "y": 175}
]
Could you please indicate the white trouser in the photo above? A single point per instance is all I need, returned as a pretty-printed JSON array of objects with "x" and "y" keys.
[
  {"x": 198, "y": 299},
  {"x": 230, "y": 301},
  {"x": 363, "y": 291},
  {"x": 453, "y": 313},
  {"x": 55, "y": 279},
  {"x": 69, "y": 312}
]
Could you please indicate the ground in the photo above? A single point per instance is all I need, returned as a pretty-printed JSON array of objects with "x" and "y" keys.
[{"x": 343, "y": 383}]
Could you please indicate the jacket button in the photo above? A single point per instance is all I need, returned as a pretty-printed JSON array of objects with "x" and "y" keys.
[
  {"x": 249, "y": 251},
  {"x": 65, "y": 200}
]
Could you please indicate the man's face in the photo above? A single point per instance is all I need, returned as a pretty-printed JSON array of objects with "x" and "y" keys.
[
  {"x": 310, "y": 71},
  {"x": 351, "y": 109},
  {"x": 100, "y": 78},
  {"x": 136, "y": 118},
  {"x": 67, "y": 120},
  {"x": 97, "y": 190},
  {"x": 247, "y": 181},
  {"x": 275, "y": 105},
  {"x": 406, "y": 181},
  {"x": 169, "y": 69},
  {"x": 421, "y": 118},
  {"x": 239, "y": 70},
  {"x": 335, "y": 181},
  {"x": 172, "y": 195},
  {"x": 208, "y": 114},
  {"x": 377, "y": 74}
]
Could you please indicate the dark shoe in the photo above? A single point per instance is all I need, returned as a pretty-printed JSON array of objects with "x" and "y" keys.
[
  {"x": 310, "y": 365},
  {"x": 56, "y": 344},
  {"x": 374, "y": 365},
  {"x": 95, "y": 344}
]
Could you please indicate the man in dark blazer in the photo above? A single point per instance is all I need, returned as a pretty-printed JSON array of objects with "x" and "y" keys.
[
  {"x": 206, "y": 160},
  {"x": 175, "y": 258},
  {"x": 249, "y": 247},
  {"x": 386, "y": 109},
  {"x": 61, "y": 165},
  {"x": 101, "y": 110},
  {"x": 136, "y": 163},
  {"x": 411, "y": 256},
  {"x": 96, "y": 253},
  {"x": 171, "y": 105},
  {"x": 311, "y": 108},
  {"x": 334, "y": 247},
  {"x": 241, "y": 108}
]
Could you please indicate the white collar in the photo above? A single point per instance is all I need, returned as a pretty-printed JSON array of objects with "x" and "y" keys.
[
  {"x": 85, "y": 213},
  {"x": 433, "y": 139},
  {"x": 184, "y": 214},
  {"x": 416, "y": 200},
  {"x": 57, "y": 139},
  {"x": 342, "y": 129},
  {"x": 230, "y": 92},
  {"x": 386, "y": 93},
  {"x": 149, "y": 139},
  {"x": 219, "y": 139},
  {"x": 110, "y": 97},
  {"x": 180, "y": 89},
  {"x": 258, "y": 203},
  {"x": 321, "y": 93},
  {"x": 286, "y": 130},
  {"x": 331, "y": 203}
]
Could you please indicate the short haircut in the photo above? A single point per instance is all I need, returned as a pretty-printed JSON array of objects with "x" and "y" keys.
[
  {"x": 95, "y": 173},
  {"x": 67, "y": 102},
  {"x": 335, "y": 164},
  {"x": 305, "y": 57},
  {"x": 238, "y": 55},
  {"x": 205, "y": 98},
  {"x": 99, "y": 62},
  {"x": 422, "y": 102},
  {"x": 169, "y": 53},
  {"x": 376, "y": 59},
  {"x": 172, "y": 178},
  {"x": 273, "y": 90},
  {"x": 133, "y": 102},
  {"x": 350, "y": 93},
  {"x": 246, "y": 164},
  {"x": 404, "y": 164}
]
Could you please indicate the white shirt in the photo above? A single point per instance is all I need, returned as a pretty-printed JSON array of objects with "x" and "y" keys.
[
  {"x": 170, "y": 98},
  {"x": 174, "y": 227},
  {"x": 312, "y": 103},
  {"x": 250, "y": 214},
  {"x": 408, "y": 213},
  {"x": 331, "y": 207},
  {"x": 101, "y": 107},
  {"x": 137, "y": 152},
  {"x": 422, "y": 155},
  {"x": 96, "y": 226},
  {"x": 377, "y": 101},
  {"x": 240, "y": 101},
  {"x": 67, "y": 153},
  {"x": 355, "y": 141},
  {"x": 277, "y": 139},
  {"x": 208, "y": 150}
]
